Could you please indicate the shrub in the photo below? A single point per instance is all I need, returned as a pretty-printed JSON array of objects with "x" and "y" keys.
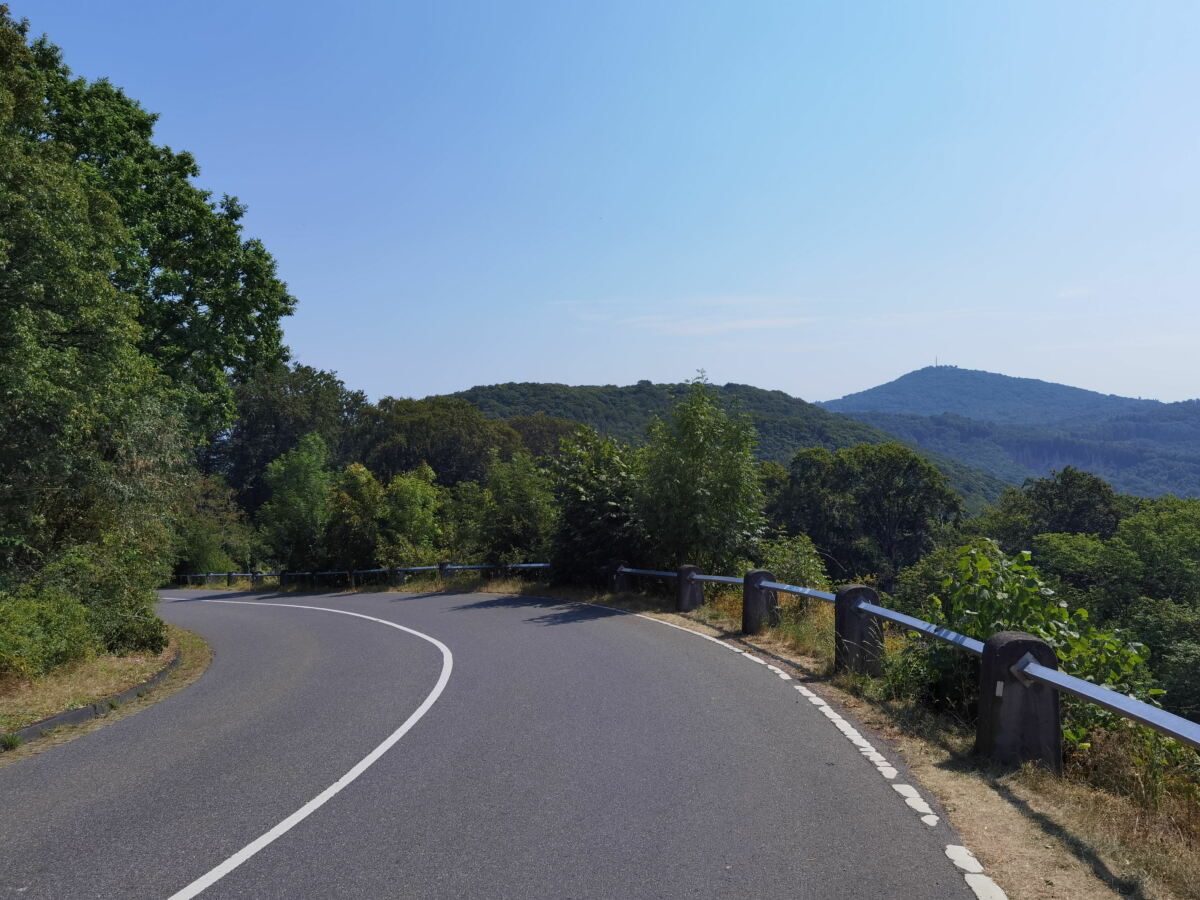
[{"x": 39, "y": 632}]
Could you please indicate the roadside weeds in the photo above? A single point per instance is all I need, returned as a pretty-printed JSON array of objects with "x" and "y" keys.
[{"x": 91, "y": 682}]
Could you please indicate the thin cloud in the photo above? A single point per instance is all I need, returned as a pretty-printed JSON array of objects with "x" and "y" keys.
[{"x": 711, "y": 326}]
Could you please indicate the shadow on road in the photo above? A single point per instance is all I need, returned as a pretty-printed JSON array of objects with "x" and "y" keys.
[{"x": 560, "y": 613}]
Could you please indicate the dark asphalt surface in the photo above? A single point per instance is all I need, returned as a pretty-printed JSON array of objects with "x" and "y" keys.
[{"x": 574, "y": 753}]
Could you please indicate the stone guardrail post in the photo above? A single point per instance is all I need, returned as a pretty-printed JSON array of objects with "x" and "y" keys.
[
  {"x": 858, "y": 637},
  {"x": 618, "y": 581},
  {"x": 689, "y": 593},
  {"x": 1019, "y": 719},
  {"x": 760, "y": 607}
]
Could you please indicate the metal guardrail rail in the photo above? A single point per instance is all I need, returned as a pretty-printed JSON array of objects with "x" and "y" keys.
[
  {"x": 1027, "y": 669},
  {"x": 1159, "y": 719},
  {"x": 624, "y": 570},
  {"x": 1152, "y": 716}
]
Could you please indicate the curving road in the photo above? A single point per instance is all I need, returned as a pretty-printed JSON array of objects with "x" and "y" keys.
[{"x": 491, "y": 747}]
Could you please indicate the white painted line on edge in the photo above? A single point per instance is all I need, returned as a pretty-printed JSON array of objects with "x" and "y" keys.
[{"x": 207, "y": 880}]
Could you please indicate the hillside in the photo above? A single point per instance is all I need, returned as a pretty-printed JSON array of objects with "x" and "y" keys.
[
  {"x": 1015, "y": 428},
  {"x": 784, "y": 423},
  {"x": 985, "y": 396}
]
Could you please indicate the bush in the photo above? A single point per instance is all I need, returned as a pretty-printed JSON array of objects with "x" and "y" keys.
[
  {"x": 981, "y": 592},
  {"x": 595, "y": 487},
  {"x": 40, "y": 632},
  {"x": 794, "y": 560}
]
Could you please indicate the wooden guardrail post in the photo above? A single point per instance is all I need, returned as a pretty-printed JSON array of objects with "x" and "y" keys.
[
  {"x": 1019, "y": 719},
  {"x": 689, "y": 593},
  {"x": 759, "y": 605},
  {"x": 229, "y": 579},
  {"x": 443, "y": 570},
  {"x": 858, "y": 637}
]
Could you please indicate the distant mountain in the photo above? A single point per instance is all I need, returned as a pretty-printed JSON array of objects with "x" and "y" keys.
[
  {"x": 785, "y": 424},
  {"x": 1016, "y": 428},
  {"x": 985, "y": 396}
]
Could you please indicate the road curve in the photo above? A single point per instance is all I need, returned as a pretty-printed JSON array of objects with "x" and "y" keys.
[{"x": 573, "y": 752}]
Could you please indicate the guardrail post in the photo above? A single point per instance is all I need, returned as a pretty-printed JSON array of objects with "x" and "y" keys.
[
  {"x": 759, "y": 606},
  {"x": 256, "y": 579},
  {"x": 689, "y": 593},
  {"x": 858, "y": 637},
  {"x": 228, "y": 579},
  {"x": 618, "y": 581},
  {"x": 394, "y": 577},
  {"x": 1019, "y": 718},
  {"x": 443, "y": 570},
  {"x": 350, "y": 577}
]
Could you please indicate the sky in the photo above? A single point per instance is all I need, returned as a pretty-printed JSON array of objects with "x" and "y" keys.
[{"x": 814, "y": 197}]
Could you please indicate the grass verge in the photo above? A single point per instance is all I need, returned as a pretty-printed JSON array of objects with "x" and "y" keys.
[{"x": 91, "y": 681}]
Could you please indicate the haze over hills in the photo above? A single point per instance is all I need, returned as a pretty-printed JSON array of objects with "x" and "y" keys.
[
  {"x": 785, "y": 424},
  {"x": 1015, "y": 428}
]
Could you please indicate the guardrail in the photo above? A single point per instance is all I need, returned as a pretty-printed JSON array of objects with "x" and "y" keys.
[
  {"x": 1019, "y": 681},
  {"x": 395, "y": 575}
]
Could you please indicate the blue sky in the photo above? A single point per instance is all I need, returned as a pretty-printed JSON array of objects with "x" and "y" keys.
[{"x": 814, "y": 197}]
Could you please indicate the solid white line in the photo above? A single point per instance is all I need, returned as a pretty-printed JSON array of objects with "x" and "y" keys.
[{"x": 207, "y": 880}]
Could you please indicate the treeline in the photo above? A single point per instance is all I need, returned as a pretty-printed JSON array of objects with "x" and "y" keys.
[
  {"x": 782, "y": 423},
  {"x": 130, "y": 302}
]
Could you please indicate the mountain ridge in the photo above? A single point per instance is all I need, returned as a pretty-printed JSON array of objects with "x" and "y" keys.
[{"x": 784, "y": 423}]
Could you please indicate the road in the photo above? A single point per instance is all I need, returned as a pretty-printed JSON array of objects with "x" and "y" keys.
[{"x": 504, "y": 748}]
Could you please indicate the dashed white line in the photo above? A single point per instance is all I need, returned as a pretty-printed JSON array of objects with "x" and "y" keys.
[
  {"x": 983, "y": 886},
  {"x": 208, "y": 879}
]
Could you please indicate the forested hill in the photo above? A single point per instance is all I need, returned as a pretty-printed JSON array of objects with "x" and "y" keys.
[
  {"x": 985, "y": 396},
  {"x": 784, "y": 423},
  {"x": 1016, "y": 428}
]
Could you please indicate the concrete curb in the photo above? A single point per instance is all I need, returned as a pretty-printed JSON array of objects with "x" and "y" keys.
[{"x": 92, "y": 711}]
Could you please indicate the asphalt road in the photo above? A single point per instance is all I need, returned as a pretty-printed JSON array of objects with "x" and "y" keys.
[{"x": 563, "y": 751}]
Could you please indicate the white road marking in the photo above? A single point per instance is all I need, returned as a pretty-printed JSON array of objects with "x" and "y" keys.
[
  {"x": 207, "y": 880},
  {"x": 963, "y": 858},
  {"x": 983, "y": 886}
]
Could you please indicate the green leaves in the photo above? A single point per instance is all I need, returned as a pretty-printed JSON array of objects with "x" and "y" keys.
[{"x": 700, "y": 498}]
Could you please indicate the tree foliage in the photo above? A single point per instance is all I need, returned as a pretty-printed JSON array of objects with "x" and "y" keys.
[
  {"x": 295, "y": 518},
  {"x": 699, "y": 498},
  {"x": 596, "y": 488},
  {"x": 870, "y": 509}
]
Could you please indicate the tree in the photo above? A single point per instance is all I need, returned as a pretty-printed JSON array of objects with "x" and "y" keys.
[
  {"x": 208, "y": 301},
  {"x": 541, "y": 434},
  {"x": 1066, "y": 502},
  {"x": 275, "y": 408},
  {"x": 596, "y": 488},
  {"x": 356, "y": 512},
  {"x": 90, "y": 446},
  {"x": 294, "y": 520},
  {"x": 451, "y": 435},
  {"x": 871, "y": 508},
  {"x": 700, "y": 499},
  {"x": 412, "y": 529},
  {"x": 519, "y": 513},
  {"x": 212, "y": 534}
]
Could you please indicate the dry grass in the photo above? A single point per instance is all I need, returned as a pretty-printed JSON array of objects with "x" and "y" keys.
[
  {"x": 86, "y": 681},
  {"x": 92, "y": 681}
]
